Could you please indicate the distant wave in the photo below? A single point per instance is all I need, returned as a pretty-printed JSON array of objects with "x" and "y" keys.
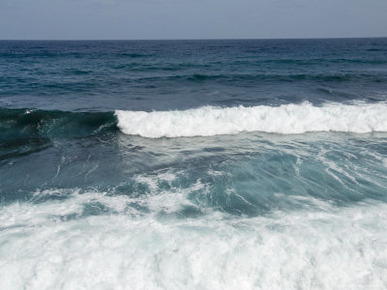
[
  {"x": 248, "y": 77},
  {"x": 284, "y": 119}
]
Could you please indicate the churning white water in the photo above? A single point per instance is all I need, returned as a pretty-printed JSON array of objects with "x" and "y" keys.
[
  {"x": 284, "y": 119},
  {"x": 59, "y": 243}
]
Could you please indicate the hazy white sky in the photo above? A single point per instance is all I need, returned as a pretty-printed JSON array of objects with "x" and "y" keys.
[{"x": 191, "y": 19}]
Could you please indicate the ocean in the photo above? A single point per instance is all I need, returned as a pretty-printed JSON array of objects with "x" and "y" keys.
[{"x": 193, "y": 164}]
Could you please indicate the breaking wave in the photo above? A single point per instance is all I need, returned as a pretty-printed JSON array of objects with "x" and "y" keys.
[{"x": 284, "y": 119}]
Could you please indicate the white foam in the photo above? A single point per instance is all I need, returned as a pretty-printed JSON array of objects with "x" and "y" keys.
[
  {"x": 284, "y": 119},
  {"x": 325, "y": 249}
]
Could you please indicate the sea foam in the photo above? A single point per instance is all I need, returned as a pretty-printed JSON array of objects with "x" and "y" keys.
[
  {"x": 56, "y": 244},
  {"x": 284, "y": 119}
]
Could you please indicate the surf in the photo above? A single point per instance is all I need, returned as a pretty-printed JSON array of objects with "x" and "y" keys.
[{"x": 284, "y": 119}]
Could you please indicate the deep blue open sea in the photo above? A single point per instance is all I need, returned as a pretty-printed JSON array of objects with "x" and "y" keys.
[{"x": 222, "y": 164}]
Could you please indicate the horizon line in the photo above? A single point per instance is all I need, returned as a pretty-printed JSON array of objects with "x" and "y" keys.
[{"x": 191, "y": 39}]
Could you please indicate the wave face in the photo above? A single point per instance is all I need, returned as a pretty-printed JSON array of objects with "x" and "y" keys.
[
  {"x": 33, "y": 123},
  {"x": 27, "y": 131},
  {"x": 284, "y": 119}
]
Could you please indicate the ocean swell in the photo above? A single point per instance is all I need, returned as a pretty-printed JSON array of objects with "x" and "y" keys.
[
  {"x": 16, "y": 124},
  {"x": 284, "y": 119}
]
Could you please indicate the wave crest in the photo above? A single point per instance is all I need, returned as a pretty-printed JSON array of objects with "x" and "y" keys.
[{"x": 284, "y": 119}]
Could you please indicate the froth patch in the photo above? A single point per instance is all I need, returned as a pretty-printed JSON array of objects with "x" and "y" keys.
[
  {"x": 305, "y": 249},
  {"x": 284, "y": 119}
]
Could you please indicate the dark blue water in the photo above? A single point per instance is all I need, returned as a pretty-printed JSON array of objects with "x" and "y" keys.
[
  {"x": 164, "y": 75},
  {"x": 193, "y": 164}
]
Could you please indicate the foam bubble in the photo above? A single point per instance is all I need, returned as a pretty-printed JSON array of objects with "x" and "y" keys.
[
  {"x": 284, "y": 119},
  {"x": 284, "y": 250}
]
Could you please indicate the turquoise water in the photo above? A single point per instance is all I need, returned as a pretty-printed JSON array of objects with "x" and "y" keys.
[{"x": 193, "y": 164}]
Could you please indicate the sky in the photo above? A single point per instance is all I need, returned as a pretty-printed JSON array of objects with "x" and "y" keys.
[{"x": 191, "y": 19}]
